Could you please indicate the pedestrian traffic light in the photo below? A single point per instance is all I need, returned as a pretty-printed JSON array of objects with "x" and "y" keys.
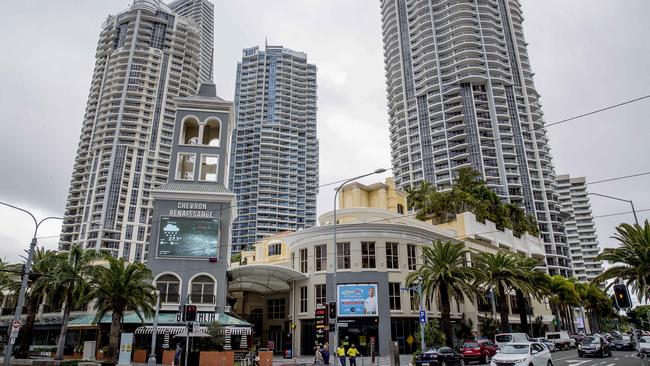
[
  {"x": 332, "y": 310},
  {"x": 622, "y": 296},
  {"x": 189, "y": 313}
]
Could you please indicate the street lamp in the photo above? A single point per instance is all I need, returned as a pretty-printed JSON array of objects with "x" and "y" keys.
[
  {"x": 333, "y": 337},
  {"x": 25, "y": 276},
  {"x": 618, "y": 199},
  {"x": 154, "y": 333}
]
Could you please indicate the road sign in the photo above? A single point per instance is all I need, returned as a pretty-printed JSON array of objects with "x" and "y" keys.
[
  {"x": 15, "y": 328},
  {"x": 423, "y": 316}
]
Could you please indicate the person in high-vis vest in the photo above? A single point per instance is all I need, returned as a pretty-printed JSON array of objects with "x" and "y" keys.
[
  {"x": 340, "y": 352},
  {"x": 352, "y": 355}
]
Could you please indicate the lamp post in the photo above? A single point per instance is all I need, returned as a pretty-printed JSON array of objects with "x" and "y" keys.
[
  {"x": 636, "y": 220},
  {"x": 154, "y": 333},
  {"x": 25, "y": 276},
  {"x": 333, "y": 337}
]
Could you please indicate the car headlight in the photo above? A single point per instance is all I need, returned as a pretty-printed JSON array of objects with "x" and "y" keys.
[
  {"x": 579, "y": 346},
  {"x": 598, "y": 347},
  {"x": 519, "y": 360}
]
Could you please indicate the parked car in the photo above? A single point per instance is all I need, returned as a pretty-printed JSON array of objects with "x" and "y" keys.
[
  {"x": 643, "y": 346},
  {"x": 546, "y": 342},
  {"x": 505, "y": 338},
  {"x": 561, "y": 339},
  {"x": 624, "y": 342},
  {"x": 594, "y": 345},
  {"x": 576, "y": 337},
  {"x": 524, "y": 354},
  {"x": 482, "y": 350},
  {"x": 439, "y": 356}
]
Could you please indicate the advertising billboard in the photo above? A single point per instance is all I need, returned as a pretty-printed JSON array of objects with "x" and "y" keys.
[
  {"x": 357, "y": 300},
  {"x": 188, "y": 237}
]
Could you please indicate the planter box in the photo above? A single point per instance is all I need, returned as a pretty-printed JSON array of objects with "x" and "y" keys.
[
  {"x": 209, "y": 358},
  {"x": 266, "y": 358},
  {"x": 168, "y": 357},
  {"x": 74, "y": 356},
  {"x": 140, "y": 356}
]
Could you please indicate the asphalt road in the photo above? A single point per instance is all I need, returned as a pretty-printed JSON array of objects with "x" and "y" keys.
[{"x": 619, "y": 358}]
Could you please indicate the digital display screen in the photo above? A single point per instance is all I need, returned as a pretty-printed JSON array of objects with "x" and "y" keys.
[
  {"x": 357, "y": 300},
  {"x": 188, "y": 237}
]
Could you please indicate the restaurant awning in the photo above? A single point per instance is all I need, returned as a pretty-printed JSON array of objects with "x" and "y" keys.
[{"x": 263, "y": 278}]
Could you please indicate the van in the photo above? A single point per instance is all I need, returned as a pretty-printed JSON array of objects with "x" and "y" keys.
[
  {"x": 505, "y": 338},
  {"x": 561, "y": 339}
]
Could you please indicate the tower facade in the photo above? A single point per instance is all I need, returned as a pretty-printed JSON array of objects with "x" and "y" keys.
[
  {"x": 201, "y": 12},
  {"x": 146, "y": 56},
  {"x": 461, "y": 93},
  {"x": 275, "y": 149},
  {"x": 580, "y": 229}
]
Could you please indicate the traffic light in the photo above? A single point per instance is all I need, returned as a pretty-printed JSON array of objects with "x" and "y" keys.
[
  {"x": 332, "y": 310},
  {"x": 189, "y": 313},
  {"x": 622, "y": 297}
]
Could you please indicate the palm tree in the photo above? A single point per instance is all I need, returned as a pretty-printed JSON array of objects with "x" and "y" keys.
[
  {"x": 71, "y": 273},
  {"x": 563, "y": 297},
  {"x": 468, "y": 179},
  {"x": 501, "y": 273},
  {"x": 120, "y": 286},
  {"x": 630, "y": 261},
  {"x": 444, "y": 271},
  {"x": 526, "y": 268}
]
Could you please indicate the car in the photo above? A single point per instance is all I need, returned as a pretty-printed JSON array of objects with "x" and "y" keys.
[
  {"x": 546, "y": 342},
  {"x": 522, "y": 354},
  {"x": 482, "y": 350},
  {"x": 576, "y": 337},
  {"x": 442, "y": 356},
  {"x": 505, "y": 338},
  {"x": 624, "y": 342},
  {"x": 643, "y": 346},
  {"x": 594, "y": 345},
  {"x": 561, "y": 339}
]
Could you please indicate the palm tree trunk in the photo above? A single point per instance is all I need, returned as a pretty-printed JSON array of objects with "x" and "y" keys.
[
  {"x": 67, "y": 307},
  {"x": 27, "y": 331},
  {"x": 503, "y": 310},
  {"x": 445, "y": 315},
  {"x": 522, "y": 304},
  {"x": 572, "y": 318},
  {"x": 114, "y": 335}
]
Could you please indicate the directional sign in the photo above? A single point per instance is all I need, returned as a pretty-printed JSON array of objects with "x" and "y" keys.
[{"x": 423, "y": 316}]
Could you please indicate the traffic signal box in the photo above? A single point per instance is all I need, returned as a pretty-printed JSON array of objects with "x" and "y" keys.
[
  {"x": 189, "y": 313},
  {"x": 622, "y": 297}
]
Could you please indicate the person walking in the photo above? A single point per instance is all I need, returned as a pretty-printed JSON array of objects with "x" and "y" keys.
[
  {"x": 177, "y": 355},
  {"x": 340, "y": 352},
  {"x": 352, "y": 355},
  {"x": 326, "y": 353},
  {"x": 318, "y": 356}
]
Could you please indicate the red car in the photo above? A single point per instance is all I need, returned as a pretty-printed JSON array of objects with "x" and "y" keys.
[{"x": 481, "y": 350}]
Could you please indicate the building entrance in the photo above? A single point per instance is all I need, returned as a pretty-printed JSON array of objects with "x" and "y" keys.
[{"x": 360, "y": 332}]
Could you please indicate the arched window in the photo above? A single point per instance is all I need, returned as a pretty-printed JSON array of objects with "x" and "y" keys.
[
  {"x": 202, "y": 290},
  {"x": 400, "y": 209},
  {"x": 169, "y": 287},
  {"x": 190, "y": 133},
  {"x": 211, "y": 133}
]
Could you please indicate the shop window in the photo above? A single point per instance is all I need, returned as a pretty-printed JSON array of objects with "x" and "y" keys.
[
  {"x": 190, "y": 133},
  {"x": 202, "y": 290},
  {"x": 368, "y": 259},
  {"x": 343, "y": 255},
  {"x": 209, "y": 168},
  {"x": 169, "y": 287},
  {"x": 185, "y": 166},
  {"x": 211, "y": 133},
  {"x": 392, "y": 255}
]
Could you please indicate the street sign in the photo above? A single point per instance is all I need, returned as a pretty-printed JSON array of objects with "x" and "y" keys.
[
  {"x": 15, "y": 328},
  {"x": 423, "y": 316}
]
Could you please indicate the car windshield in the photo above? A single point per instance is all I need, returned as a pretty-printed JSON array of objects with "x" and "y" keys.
[
  {"x": 470, "y": 345},
  {"x": 553, "y": 336},
  {"x": 515, "y": 349},
  {"x": 644, "y": 340},
  {"x": 625, "y": 338},
  {"x": 590, "y": 340},
  {"x": 503, "y": 338},
  {"x": 543, "y": 340}
]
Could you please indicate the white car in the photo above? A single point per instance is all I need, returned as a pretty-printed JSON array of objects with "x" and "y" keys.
[
  {"x": 643, "y": 345},
  {"x": 522, "y": 354},
  {"x": 505, "y": 338}
]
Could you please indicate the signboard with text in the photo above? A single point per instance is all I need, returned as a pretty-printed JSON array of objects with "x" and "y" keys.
[
  {"x": 357, "y": 300},
  {"x": 322, "y": 323}
]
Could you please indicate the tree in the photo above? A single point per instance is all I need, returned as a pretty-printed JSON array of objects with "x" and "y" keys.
[
  {"x": 501, "y": 273},
  {"x": 631, "y": 260},
  {"x": 217, "y": 339},
  {"x": 444, "y": 272},
  {"x": 119, "y": 286},
  {"x": 71, "y": 274},
  {"x": 537, "y": 289},
  {"x": 563, "y": 296},
  {"x": 488, "y": 327},
  {"x": 432, "y": 335}
]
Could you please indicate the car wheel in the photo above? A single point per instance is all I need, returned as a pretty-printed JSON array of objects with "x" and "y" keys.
[
  {"x": 609, "y": 353},
  {"x": 581, "y": 355},
  {"x": 549, "y": 363},
  {"x": 443, "y": 363},
  {"x": 461, "y": 362},
  {"x": 485, "y": 359}
]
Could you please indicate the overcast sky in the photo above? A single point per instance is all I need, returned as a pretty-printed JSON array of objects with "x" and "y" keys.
[{"x": 586, "y": 54}]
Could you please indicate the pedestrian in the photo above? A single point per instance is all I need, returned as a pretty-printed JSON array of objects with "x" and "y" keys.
[
  {"x": 177, "y": 355},
  {"x": 326, "y": 353},
  {"x": 340, "y": 352},
  {"x": 352, "y": 355},
  {"x": 318, "y": 356}
]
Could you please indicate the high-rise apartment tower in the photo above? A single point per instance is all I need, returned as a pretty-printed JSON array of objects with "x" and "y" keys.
[
  {"x": 202, "y": 13},
  {"x": 274, "y": 169},
  {"x": 580, "y": 228},
  {"x": 146, "y": 56},
  {"x": 461, "y": 93}
]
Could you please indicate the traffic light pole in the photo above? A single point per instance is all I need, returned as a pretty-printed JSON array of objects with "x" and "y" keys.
[{"x": 187, "y": 343}]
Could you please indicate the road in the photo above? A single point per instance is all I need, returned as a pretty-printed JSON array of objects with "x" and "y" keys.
[{"x": 619, "y": 358}]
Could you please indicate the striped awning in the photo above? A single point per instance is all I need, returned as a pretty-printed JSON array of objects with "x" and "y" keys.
[{"x": 173, "y": 330}]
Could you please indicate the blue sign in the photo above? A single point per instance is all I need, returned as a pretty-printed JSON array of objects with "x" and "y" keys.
[
  {"x": 423, "y": 316},
  {"x": 357, "y": 300}
]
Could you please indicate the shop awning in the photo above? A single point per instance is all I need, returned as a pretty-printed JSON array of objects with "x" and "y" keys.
[
  {"x": 173, "y": 330},
  {"x": 263, "y": 278}
]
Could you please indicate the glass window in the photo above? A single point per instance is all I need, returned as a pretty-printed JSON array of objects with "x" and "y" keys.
[
  {"x": 392, "y": 255},
  {"x": 394, "y": 296},
  {"x": 303, "y": 299},
  {"x": 321, "y": 294},
  {"x": 169, "y": 287},
  {"x": 211, "y": 132},
  {"x": 343, "y": 255},
  {"x": 190, "y": 132},
  {"x": 275, "y": 309},
  {"x": 320, "y": 257},
  {"x": 368, "y": 254},
  {"x": 202, "y": 290},
  {"x": 209, "y": 167},
  {"x": 411, "y": 257},
  {"x": 413, "y": 297},
  {"x": 303, "y": 260},
  {"x": 185, "y": 166},
  {"x": 275, "y": 249}
]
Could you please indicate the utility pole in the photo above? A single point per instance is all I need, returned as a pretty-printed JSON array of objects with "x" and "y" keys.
[{"x": 422, "y": 305}]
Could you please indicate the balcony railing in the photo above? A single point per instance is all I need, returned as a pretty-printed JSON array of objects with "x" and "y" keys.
[
  {"x": 170, "y": 298},
  {"x": 202, "y": 298}
]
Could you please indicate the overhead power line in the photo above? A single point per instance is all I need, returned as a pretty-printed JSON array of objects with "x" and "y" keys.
[
  {"x": 599, "y": 110},
  {"x": 617, "y": 178}
]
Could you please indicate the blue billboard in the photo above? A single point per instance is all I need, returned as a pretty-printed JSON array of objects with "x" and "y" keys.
[{"x": 357, "y": 300}]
